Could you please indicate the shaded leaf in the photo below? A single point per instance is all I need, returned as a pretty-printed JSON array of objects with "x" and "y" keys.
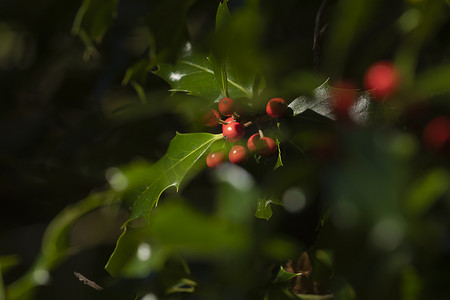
[
  {"x": 184, "y": 285},
  {"x": 167, "y": 22},
  {"x": 435, "y": 80},
  {"x": 222, "y": 15},
  {"x": 55, "y": 244},
  {"x": 235, "y": 45},
  {"x": 426, "y": 190},
  {"x": 200, "y": 236},
  {"x": 8, "y": 261},
  {"x": 411, "y": 284},
  {"x": 92, "y": 20}
]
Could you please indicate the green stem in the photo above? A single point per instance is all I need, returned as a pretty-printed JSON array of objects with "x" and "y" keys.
[{"x": 55, "y": 249}]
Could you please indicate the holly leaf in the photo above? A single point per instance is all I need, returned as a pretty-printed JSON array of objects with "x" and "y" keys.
[
  {"x": 222, "y": 15},
  {"x": 192, "y": 74},
  {"x": 207, "y": 237},
  {"x": 279, "y": 160},
  {"x": 195, "y": 74},
  {"x": 184, "y": 151},
  {"x": 321, "y": 103},
  {"x": 264, "y": 208},
  {"x": 284, "y": 276}
]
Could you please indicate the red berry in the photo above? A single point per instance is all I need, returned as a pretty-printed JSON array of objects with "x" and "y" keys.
[
  {"x": 437, "y": 132},
  {"x": 208, "y": 117},
  {"x": 252, "y": 142},
  {"x": 233, "y": 131},
  {"x": 226, "y": 106},
  {"x": 381, "y": 79},
  {"x": 261, "y": 145},
  {"x": 276, "y": 107},
  {"x": 215, "y": 158},
  {"x": 230, "y": 119},
  {"x": 238, "y": 154},
  {"x": 343, "y": 94},
  {"x": 267, "y": 146}
]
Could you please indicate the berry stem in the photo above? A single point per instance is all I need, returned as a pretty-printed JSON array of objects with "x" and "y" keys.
[
  {"x": 258, "y": 120},
  {"x": 261, "y": 133},
  {"x": 222, "y": 122}
]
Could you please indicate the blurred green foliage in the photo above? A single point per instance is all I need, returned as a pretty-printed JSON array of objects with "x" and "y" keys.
[{"x": 109, "y": 115}]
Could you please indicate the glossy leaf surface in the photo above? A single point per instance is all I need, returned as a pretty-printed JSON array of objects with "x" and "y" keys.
[
  {"x": 194, "y": 74},
  {"x": 184, "y": 151}
]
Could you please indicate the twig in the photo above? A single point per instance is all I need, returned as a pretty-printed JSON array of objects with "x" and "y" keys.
[
  {"x": 258, "y": 120},
  {"x": 317, "y": 32},
  {"x": 88, "y": 282}
]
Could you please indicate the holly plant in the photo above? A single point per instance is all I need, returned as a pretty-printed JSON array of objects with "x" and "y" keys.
[{"x": 321, "y": 183}]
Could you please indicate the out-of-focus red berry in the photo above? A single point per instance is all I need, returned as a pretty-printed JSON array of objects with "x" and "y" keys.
[
  {"x": 208, "y": 117},
  {"x": 343, "y": 95},
  {"x": 382, "y": 79},
  {"x": 436, "y": 134}
]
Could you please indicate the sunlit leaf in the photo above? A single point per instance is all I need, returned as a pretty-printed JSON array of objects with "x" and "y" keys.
[
  {"x": 184, "y": 151},
  {"x": 194, "y": 74},
  {"x": 264, "y": 208},
  {"x": 284, "y": 276},
  {"x": 320, "y": 103},
  {"x": 279, "y": 160}
]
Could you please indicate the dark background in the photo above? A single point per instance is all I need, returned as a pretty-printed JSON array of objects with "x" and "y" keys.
[{"x": 58, "y": 133}]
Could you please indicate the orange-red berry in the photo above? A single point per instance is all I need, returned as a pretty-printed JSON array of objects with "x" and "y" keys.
[
  {"x": 233, "y": 131},
  {"x": 214, "y": 159},
  {"x": 208, "y": 117},
  {"x": 276, "y": 107},
  {"x": 264, "y": 146},
  {"x": 226, "y": 106},
  {"x": 238, "y": 154}
]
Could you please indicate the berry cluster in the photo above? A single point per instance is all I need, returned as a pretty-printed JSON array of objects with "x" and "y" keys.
[{"x": 233, "y": 129}]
